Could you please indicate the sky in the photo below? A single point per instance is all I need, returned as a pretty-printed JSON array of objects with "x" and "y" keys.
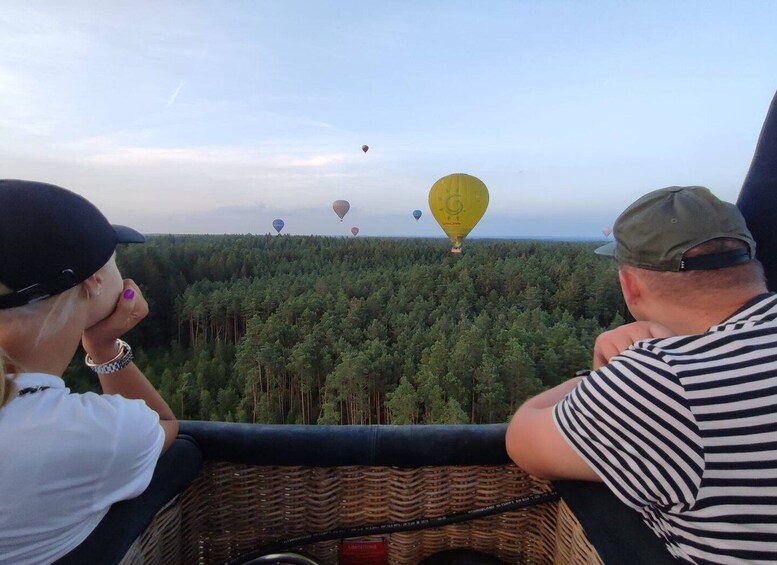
[{"x": 218, "y": 117}]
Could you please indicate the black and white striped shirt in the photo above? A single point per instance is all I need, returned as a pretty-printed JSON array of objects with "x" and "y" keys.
[{"x": 684, "y": 430}]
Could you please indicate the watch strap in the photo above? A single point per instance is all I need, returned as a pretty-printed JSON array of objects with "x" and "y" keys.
[{"x": 123, "y": 358}]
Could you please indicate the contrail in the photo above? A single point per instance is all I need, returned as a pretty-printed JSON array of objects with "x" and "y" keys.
[{"x": 174, "y": 95}]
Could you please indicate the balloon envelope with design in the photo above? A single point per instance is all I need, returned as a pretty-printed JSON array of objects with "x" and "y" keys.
[
  {"x": 355, "y": 230},
  {"x": 458, "y": 201},
  {"x": 278, "y": 225}
]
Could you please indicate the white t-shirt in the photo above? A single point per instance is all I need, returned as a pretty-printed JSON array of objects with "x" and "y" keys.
[{"x": 64, "y": 459}]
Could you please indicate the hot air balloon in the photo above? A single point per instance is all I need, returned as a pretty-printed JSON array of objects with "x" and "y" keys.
[
  {"x": 278, "y": 225},
  {"x": 355, "y": 230},
  {"x": 341, "y": 208},
  {"x": 606, "y": 231},
  {"x": 458, "y": 201},
  {"x": 416, "y": 214},
  {"x": 365, "y": 148}
]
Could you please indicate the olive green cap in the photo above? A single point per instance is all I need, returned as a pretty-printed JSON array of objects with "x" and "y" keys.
[{"x": 655, "y": 231}]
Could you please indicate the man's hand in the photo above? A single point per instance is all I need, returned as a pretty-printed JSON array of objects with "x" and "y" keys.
[
  {"x": 613, "y": 342},
  {"x": 99, "y": 341}
]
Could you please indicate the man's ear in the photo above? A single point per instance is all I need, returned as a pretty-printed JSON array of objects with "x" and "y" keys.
[
  {"x": 630, "y": 285},
  {"x": 92, "y": 285}
]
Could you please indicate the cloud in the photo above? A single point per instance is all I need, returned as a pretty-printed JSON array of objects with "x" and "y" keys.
[
  {"x": 174, "y": 95},
  {"x": 135, "y": 180},
  {"x": 232, "y": 156}
]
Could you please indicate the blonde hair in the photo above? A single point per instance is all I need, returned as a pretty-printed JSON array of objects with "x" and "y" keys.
[
  {"x": 40, "y": 319},
  {"x": 6, "y": 384},
  {"x": 36, "y": 321},
  {"x": 7, "y": 387}
]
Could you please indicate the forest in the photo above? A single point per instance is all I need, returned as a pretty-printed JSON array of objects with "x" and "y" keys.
[{"x": 306, "y": 330}]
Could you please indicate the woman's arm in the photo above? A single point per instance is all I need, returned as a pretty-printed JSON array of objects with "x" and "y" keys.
[{"x": 100, "y": 344}]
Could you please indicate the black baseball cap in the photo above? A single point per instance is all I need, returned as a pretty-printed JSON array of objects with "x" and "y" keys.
[
  {"x": 658, "y": 229},
  {"x": 51, "y": 239}
]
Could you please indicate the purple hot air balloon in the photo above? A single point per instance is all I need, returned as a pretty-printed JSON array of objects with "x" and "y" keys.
[
  {"x": 278, "y": 225},
  {"x": 355, "y": 230},
  {"x": 365, "y": 148}
]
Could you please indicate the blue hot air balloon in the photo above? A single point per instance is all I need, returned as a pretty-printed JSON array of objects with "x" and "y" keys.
[
  {"x": 416, "y": 214},
  {"x": 278, "y": 225}
]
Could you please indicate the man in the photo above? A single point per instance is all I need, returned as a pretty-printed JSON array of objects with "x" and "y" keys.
[{"x": 677, "y": 417}]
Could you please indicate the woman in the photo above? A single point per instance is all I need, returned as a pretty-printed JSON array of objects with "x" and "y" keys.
[{"x": 67, "y": 457}]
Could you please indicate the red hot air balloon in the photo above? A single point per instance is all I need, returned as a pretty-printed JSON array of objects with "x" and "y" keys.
[
  {"x": 606, "y": 231},
  {"x": 355, "y": 230},
  {"x": 365, "y": 148}
]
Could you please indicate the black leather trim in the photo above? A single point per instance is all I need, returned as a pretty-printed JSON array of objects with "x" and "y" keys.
[{"x": 336, "y": 446}]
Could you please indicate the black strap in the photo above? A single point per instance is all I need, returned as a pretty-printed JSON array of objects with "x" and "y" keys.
[
  {"x": 715, "y": 260},
  {"x": 39, "y": 291}
]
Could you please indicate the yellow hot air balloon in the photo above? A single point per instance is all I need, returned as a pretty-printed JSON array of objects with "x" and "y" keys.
[{"x": 458, "y": 201}]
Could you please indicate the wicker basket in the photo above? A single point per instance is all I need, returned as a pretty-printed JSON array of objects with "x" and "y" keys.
[{"x": 231, "y": 509}]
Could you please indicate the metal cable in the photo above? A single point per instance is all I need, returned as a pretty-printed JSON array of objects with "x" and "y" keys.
[{"x": 409, "y": 526}]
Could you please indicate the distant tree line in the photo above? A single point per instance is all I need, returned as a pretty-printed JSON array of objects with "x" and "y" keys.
[{"x": 288, "y": 329}]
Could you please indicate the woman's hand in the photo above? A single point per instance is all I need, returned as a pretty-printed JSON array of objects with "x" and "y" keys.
[
  {"x": 613, "y": 342},
  {"x": 99, "y": 341}
]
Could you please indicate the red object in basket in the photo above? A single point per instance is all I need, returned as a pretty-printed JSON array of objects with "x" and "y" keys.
[{"x": 363, "y": 553}]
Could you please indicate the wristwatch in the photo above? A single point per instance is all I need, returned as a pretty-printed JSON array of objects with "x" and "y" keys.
[{"x": 123, "y": 358}]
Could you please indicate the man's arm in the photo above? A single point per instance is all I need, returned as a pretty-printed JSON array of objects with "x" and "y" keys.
[
  {"x": 535, "y": 444},
  {"x": 533, "y": 440},
  {"x": 616, "y": 341}
]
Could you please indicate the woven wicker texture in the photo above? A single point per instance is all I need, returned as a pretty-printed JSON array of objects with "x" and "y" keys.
[
  {"x": 232, "y": 509},
  {"x": 572, "y": 546},
  {"x": 161, "y": 542}
]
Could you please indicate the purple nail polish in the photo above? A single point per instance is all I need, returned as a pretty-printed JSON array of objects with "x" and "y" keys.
[{"x": 129, "y": 294}]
